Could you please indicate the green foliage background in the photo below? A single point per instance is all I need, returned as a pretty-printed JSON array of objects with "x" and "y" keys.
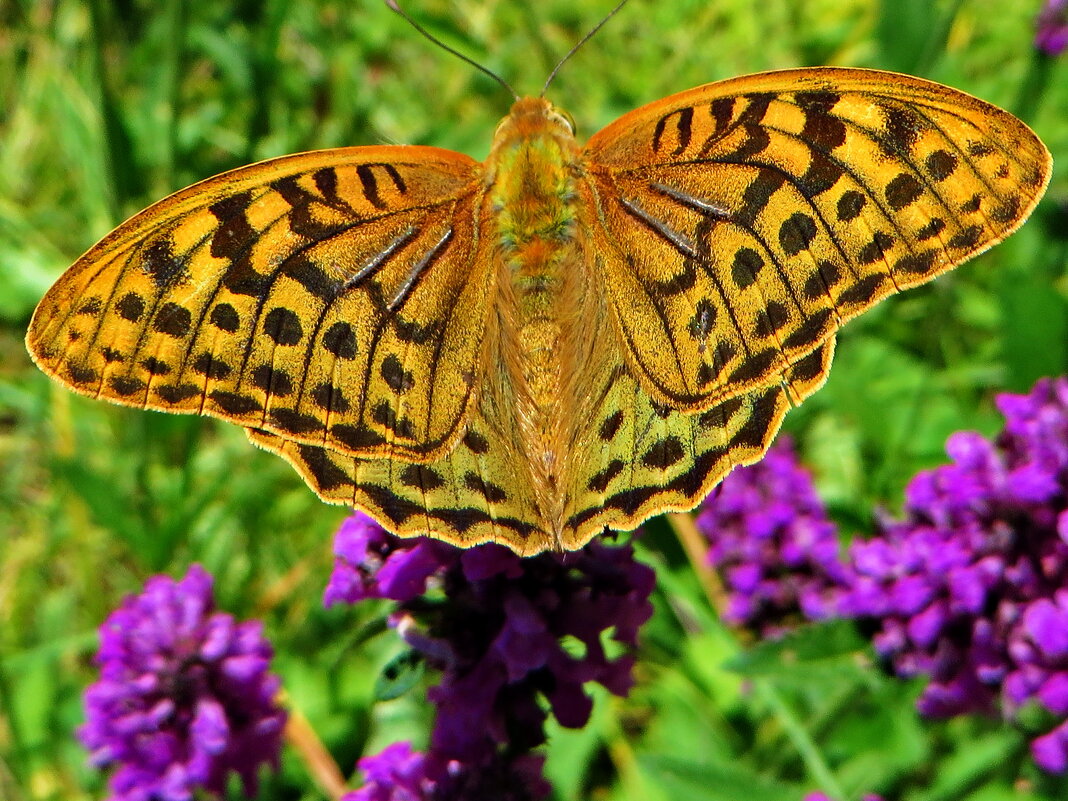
[{"x": 108, "y": 106}]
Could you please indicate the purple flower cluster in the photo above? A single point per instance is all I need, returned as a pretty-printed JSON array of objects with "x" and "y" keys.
[
  {"x": 819, "y": 796},
  {"x": 497, "y": 638},
  {"x": 971, "y": 587},
  {"x": 399, "y": 774},
  {"x": 184, "y": 697},
  {"x": 1051, "y": 36},
  {"x": 771, "y": 540}
]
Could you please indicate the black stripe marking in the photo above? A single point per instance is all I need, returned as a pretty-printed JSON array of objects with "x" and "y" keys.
[
  {"x": 417, "y": 272},
  {"x": 379, "y": 259},
  {"x": 678, "y": 241},
  {"x": 370, "y": 185}
]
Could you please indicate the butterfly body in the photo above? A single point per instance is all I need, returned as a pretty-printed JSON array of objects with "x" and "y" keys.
[
  {"x": 561, "y": 339},
  {"x": 544, "y": 289}
]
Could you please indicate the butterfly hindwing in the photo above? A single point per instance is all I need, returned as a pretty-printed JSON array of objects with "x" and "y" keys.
[
  {"x": 336, "y": 298},
  {"x": 478, "y": 492},
  {"x": 643, "y": 458},
  {"x": 740, "y": 223}
]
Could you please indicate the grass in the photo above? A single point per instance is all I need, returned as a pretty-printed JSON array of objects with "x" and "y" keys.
[{"x": 110, "y": 106}]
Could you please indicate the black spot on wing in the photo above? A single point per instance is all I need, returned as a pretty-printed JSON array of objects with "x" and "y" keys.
[
  {"x": 90, "y": 307},
  {"x": 917, "y": 263},
  {"x": 356, "y": 437},
  {"x": 797, "y": 232},
  {"x": 746, "y": 266},
  {"x": 941, "y": 164},
  {"x": 234, "y": 402},
  {"x": 155, "y": 366},
  {"x": 421, "y": 477},
  {"x": 900, "y": 130},
  {"x": 864, "y": 290},
  {"x": 130, "y": 307},
  {"x": 932, "y": 229},
  {"x": 340, "y": 340},
  {"x": 755, "y": 366},
  {"x": 327, "y": 475},
  {"x": 757, "y": 195},
  {"x": 126, "y": 385},
  {"x": 173, "y": 320},
  {"x": 875, "y": 250},
  {"x": 386, "y": 416},
  {"x": 683, "y": 120},
  {"x": 283, "y": 326},
  {"x": 329, "y": 397},
  {"x": 234, "y": 233},
  {"x": 850, "y": 205},
  {"x": 599, "y": 481},
  {"x": 968, "y": 238},
  {"x": 162, "y": 266},
  {"x": 210, "y": 366},
  {"x": 176, "y": 393},
  {"x": 488, "y": 490},
  {"x": 771, "y": 319},
  {"x": 814, "y": 330},
  {"x": 475, "y": 442},
  {"x": 903, "y": 190},
  {"x": 664, "y": 453},
  {"x": 297, "y": 423},
  {"x": 311, "y": 275},
  {"x": 272, "y": 380},
  {"x": 370, "y": 185},
  {"x": 396, "y": 377},
  {"x": 819, "y": 283},
  {"x": 610, "y": 426},
  {"x": 225, "y": 318}
]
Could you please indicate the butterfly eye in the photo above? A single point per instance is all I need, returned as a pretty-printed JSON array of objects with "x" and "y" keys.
[{"x": 567, "y": 119}]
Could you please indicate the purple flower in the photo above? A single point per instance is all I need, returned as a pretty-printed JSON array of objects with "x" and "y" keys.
[
  {"x": 372, "y": 563},
  {"x": 771, "y": 540},
  {"x": 395, "y": 774},
  {"x": 399, "y": 774},
  {"x": 184, "y": 695},
  {"x": 1051, "y": 36},
  {"x": 819, "y": 796},
  {"x": 971, "y": 587},
  {"x": 499, "y": 636}
]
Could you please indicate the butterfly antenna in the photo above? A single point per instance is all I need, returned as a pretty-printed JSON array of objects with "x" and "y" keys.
[
  {"x": 580, "y": 43},
  {"x": 393, "y": 5}
]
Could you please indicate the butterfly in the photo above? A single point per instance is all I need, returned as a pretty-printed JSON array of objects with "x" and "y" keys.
[{"x": 562, "y": 339}]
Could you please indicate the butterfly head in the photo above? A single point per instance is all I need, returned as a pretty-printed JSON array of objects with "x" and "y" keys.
[{"x": 533, "y": 118}]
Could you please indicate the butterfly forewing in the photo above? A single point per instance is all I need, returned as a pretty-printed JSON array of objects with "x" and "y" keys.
[
  {"x": 336, "y": 298},
  {"x": 740, "y": 223}
]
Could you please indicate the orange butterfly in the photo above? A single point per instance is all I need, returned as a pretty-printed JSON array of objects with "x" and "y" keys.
[{"x": 562, "y": 338}]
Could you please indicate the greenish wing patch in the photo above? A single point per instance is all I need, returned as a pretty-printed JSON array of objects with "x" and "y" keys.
[{"x": 642, "y": 458}]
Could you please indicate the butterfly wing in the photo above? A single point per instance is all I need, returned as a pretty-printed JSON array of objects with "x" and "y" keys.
[
  {"x": 642, "y": 458},
  {"x": 336, "y": 298},
  {"x": 739, "y": 224},
  {"x": 480, "y": 491}
]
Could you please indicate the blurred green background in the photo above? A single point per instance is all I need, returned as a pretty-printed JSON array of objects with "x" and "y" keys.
[{"x": 108, "y": 106}]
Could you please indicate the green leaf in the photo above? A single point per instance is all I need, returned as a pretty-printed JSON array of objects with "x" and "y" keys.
[
  {"x": 400, "y": 674},
  {"x": 686, "y": 780},
  {"x": 823, "y": 648}
]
